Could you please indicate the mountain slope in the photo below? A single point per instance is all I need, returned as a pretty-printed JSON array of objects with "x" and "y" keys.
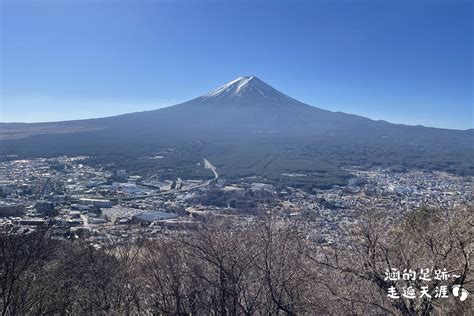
[
  {"x": 246, "y": 105},
  {"x": 248, "y": 113}
]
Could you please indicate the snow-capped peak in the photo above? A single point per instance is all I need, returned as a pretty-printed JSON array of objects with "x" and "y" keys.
[
  {"x": 232, "y": 88},
  {"x": 245, "y": 86}
]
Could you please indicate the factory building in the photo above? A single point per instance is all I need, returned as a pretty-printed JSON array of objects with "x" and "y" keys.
[
  {"x": 149, "y": 217},
  {"x": 95, "y": 202}
]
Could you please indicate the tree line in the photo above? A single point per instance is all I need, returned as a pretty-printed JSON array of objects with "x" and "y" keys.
[{"x": 265, "y": 266}]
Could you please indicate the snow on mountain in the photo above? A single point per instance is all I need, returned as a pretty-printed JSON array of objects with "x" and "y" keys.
[
  {"x": 244, "y": 108},
  {"x": 247, "y": 86}
]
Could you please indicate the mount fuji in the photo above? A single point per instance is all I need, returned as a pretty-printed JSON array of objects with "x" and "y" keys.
[
  {"x": 247, "y": 111},
  {"x": 246, "y": 105}
]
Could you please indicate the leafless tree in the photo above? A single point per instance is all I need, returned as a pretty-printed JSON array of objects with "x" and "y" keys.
[
  {"x": 423, "y": 239},
  {"x": 233, "y": 267},
  {"x": 22, "y": 264}
]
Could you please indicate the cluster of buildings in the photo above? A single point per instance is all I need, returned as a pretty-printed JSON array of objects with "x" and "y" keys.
[{"x": 81, "y": 201}]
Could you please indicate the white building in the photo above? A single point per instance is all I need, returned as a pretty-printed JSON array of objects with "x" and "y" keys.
[{"x": 95, "y": 202}]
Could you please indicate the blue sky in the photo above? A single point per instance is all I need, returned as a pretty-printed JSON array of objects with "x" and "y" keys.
[{"x": 402, "y": 61}]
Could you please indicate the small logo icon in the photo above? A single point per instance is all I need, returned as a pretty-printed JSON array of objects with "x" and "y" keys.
[{"x": 459, "y": 291}]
